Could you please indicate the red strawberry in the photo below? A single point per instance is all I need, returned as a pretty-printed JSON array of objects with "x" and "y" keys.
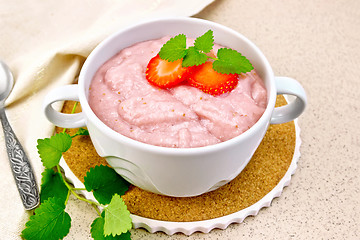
[
  {"x": 166, "y": 74},
  {"x": 209, "y": 81}
]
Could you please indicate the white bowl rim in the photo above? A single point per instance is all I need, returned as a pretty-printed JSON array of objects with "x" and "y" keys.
[{"x": 90, "y": 115}]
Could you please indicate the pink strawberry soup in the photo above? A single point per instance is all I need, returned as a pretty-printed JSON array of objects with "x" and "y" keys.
[{"x": 180, "y": 117}]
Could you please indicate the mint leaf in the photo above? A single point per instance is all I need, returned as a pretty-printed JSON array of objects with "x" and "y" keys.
[
  {"x": 205, "y": 42},
  {"x": 117, "y": 217},
  {"x": 97, "y": 231},
  {"x": 194, "y": 57},
  {"x": 51, "y": 149},
  {"x": 230, "y": 62},
  {"x": 104, "y": 182},
  {"x": 81, "y": 132},
  {"x": 174, "y": 49},
  {"x": 50, "y": 222},
  {"x": 52, "y": 185}
]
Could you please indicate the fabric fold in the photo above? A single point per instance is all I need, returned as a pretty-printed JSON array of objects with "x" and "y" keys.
[{"x": 45, "y": 44}]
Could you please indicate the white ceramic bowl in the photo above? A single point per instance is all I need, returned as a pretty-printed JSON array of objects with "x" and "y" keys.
[{"x": 179, "y": 172}]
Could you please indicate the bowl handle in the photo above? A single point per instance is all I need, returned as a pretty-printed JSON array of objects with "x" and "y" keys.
[
  {"x": 287, "y": 113},
  {"x": 67, "y": 92}
]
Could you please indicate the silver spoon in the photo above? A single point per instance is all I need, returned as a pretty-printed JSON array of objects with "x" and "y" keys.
[{"x": 19, "y": 162}]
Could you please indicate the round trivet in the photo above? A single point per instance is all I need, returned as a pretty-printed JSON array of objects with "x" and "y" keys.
[{"x": 263, "y": 179}]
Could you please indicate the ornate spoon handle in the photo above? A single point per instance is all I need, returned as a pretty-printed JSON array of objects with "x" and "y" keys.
[{"x": 20, "y": 166}]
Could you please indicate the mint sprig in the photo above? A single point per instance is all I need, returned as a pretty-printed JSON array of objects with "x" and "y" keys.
[
  {"x": 231, "y": 61},
  {"x": 97, "y": 231},
  {"x": 228, "y": 61},
  {"x": 51, "y": 149},
  {"x": 205, "y": 42},
  {"x": 52, "y": 222},
  {"x": 194, "y": 57},
  {"x": 53, "y": 186},
  {"x": 174, "y": 49},
  {"x": 104, "y": 182},
  {"x": 49, "y": 222},
  {"x": 117, "y": 217}
]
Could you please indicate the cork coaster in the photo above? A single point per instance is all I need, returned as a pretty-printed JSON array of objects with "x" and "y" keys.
[{"x": 264, "y": 171}]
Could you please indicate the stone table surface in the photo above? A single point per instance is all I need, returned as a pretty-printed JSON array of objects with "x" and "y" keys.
[{"x": 317, "y": 43}]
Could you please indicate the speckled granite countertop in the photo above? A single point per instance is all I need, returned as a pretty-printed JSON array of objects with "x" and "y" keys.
[{"x": 317, "y": 43}]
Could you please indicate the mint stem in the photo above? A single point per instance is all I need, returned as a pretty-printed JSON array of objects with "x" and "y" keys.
[
  {"x": 72, "y": 190},
  {"x": 214, "y": 58},
  {"x": 79, "y": 189},
  {"x": 68, "y": 195},
  {"x": 72, "y": 111}
]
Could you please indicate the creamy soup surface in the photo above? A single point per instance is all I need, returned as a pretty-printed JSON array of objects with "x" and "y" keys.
[{"x": 180, "y": 117}]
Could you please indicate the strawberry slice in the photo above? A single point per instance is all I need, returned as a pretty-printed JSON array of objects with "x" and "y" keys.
[
  {"x": 165, "y": 74},
  {"x": 209, "y": 81}
]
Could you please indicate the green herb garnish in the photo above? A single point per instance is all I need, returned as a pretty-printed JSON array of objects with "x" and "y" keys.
[
  {"x": 228, "y": 61},
  {"x": 49, "y": 222},
  {"x": 52, "y": 222}
]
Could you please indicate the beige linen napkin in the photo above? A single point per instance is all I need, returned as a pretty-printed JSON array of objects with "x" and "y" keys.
[{"x": 45, "y": 44}]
